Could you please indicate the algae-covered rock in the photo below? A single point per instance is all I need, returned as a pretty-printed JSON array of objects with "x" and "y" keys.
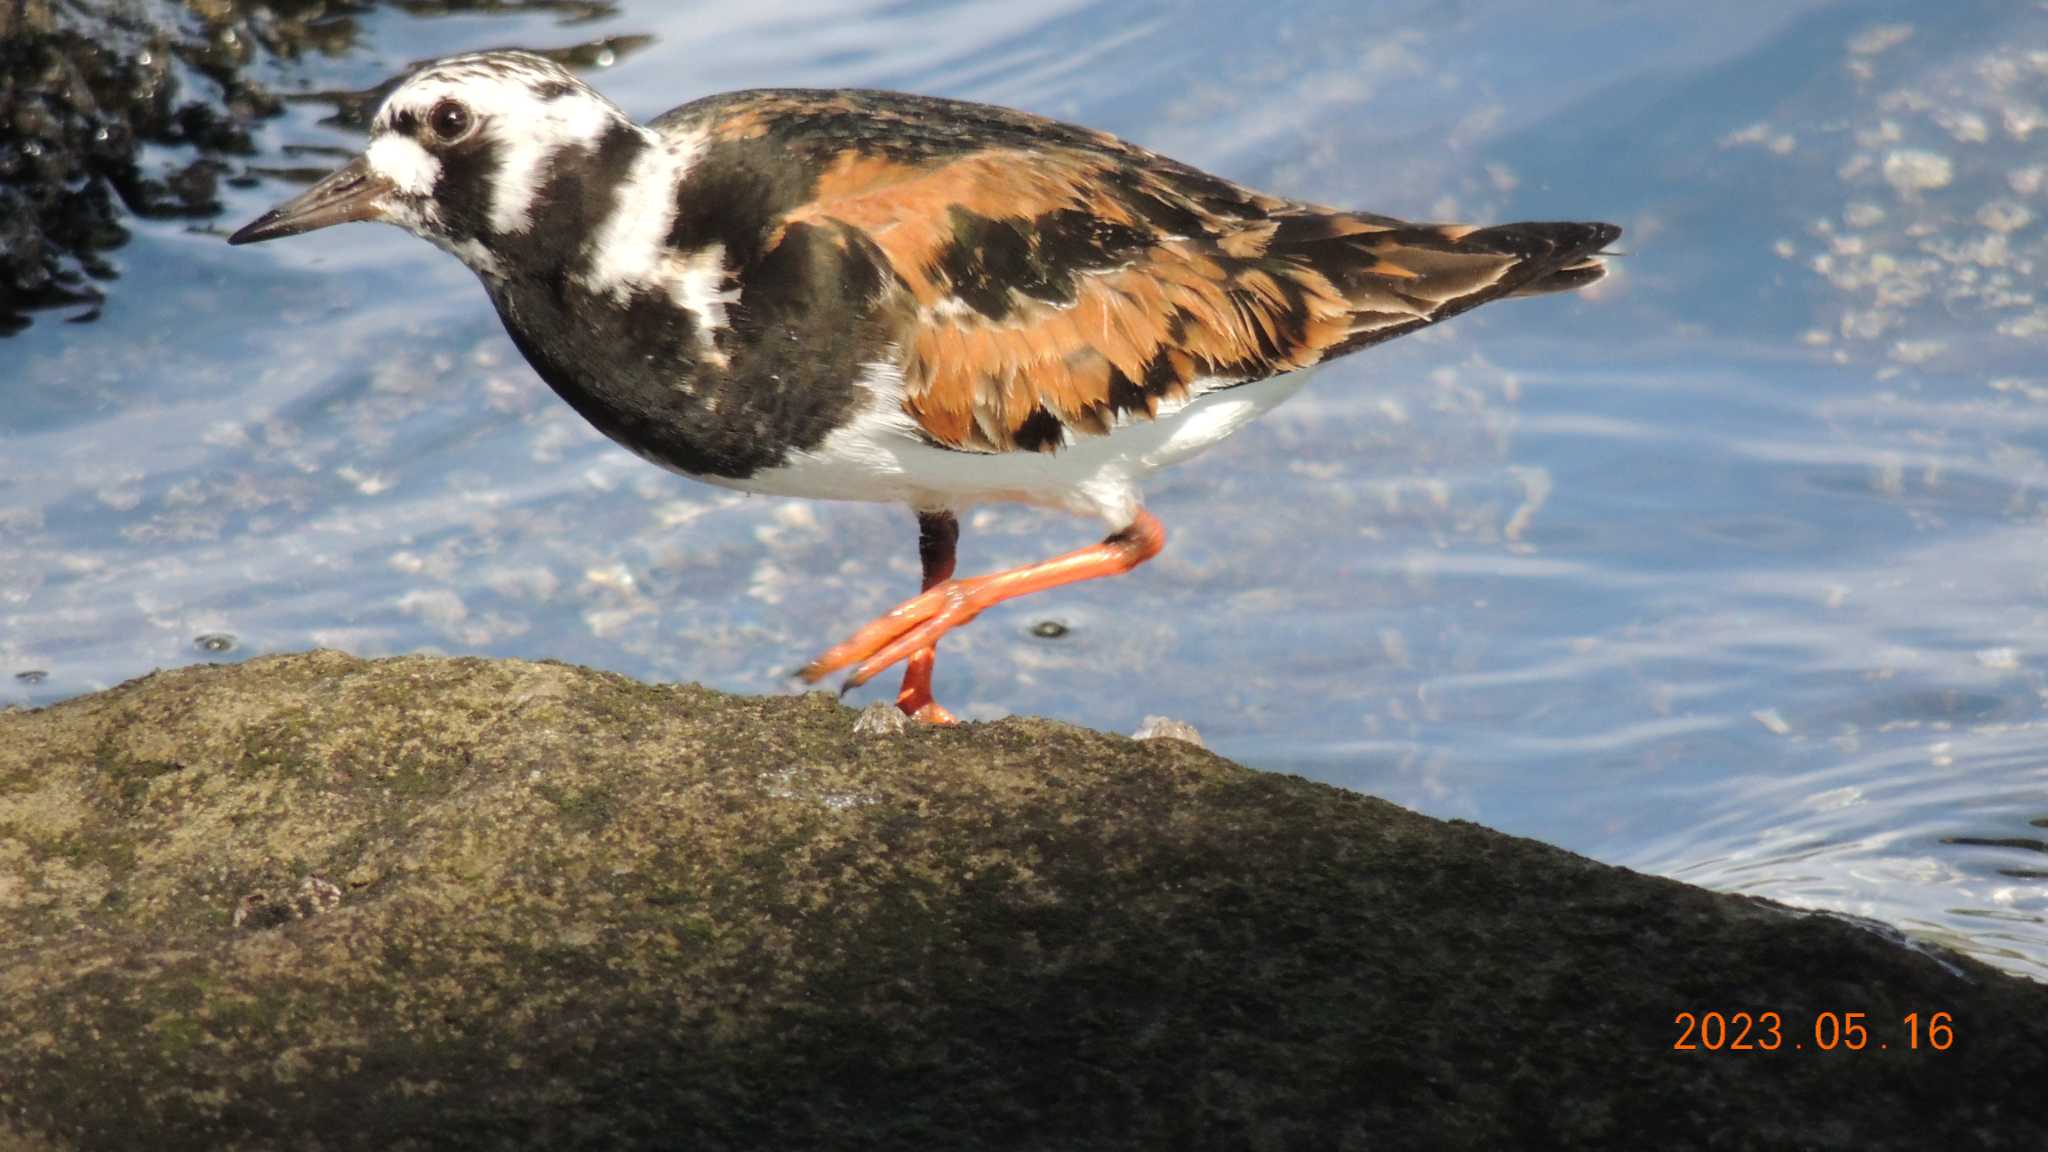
[{"x": 319, "y": 902}]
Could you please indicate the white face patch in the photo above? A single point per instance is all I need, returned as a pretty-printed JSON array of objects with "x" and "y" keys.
[{"x": 401, "y": 160}]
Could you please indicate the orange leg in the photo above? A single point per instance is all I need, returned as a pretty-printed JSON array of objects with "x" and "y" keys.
[
  {"x": 911, "y": 629},
  {"x": 937, "y": 533}
]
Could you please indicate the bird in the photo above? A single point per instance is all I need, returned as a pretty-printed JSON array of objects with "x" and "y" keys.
[{"x": 852, "y": 294}]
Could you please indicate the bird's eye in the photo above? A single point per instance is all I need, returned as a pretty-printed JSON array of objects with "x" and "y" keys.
[{"x": 449, "y": 120}]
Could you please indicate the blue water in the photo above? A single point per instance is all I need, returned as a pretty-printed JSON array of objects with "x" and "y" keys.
[{"x": 1735, "y": 569}]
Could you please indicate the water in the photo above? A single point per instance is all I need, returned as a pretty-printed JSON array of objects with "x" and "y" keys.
[{"x": 1733, "y": 570}]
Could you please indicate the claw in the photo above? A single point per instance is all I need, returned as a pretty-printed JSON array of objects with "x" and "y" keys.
[
  {"x": 923, "y": 634},
  {"x": 877, "y": 633}
]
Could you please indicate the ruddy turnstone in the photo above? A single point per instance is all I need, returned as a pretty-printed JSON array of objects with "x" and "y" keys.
[{"x": 862, "y": 295}]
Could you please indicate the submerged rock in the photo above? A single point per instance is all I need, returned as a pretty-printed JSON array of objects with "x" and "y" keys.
[
  {"x": 82, "y": 88},
  {"x": 85, "y": 84},
  {"x": 319, "y": 902}
]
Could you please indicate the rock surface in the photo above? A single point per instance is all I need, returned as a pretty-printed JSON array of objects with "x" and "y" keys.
[{"x": 318, "y": 902}]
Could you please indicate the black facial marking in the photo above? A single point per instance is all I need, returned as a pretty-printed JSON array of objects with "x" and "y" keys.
[{"x": 463, "y": 190}]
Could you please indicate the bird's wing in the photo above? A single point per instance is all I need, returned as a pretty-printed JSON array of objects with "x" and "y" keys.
[{"x": 1059, "y": 282}]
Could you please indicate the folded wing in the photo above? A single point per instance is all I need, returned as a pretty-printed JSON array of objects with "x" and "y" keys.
[{"x": 1058, "y": 283}]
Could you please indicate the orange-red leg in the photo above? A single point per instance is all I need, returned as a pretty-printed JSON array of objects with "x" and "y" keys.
[
  {"x": 937, "y": 533},
  {"x": 915, "y": 626}
]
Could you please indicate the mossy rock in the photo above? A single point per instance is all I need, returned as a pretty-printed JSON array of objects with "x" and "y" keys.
[{"x": 312, "y": 901}]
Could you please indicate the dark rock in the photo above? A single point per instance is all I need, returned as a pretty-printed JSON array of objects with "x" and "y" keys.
[
  {"x": 85, "y": 84},
  {"x": 82, "y": 88},
  {"x": 313, "y": 901}
]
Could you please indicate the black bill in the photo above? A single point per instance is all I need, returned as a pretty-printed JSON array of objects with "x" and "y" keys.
[{"x": 349, "y": 193}]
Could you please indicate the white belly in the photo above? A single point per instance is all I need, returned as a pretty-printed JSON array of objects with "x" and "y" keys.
[{"x": 882, "y": 457}]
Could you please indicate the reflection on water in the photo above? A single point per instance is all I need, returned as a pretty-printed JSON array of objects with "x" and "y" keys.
[{"x": 1732, "y": 571}]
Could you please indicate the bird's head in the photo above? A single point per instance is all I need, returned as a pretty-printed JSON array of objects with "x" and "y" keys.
[{"x": 474, "y": 153}]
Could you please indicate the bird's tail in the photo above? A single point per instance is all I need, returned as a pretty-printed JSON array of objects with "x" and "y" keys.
[
  {"x": 1400, "y": 276},
  {"x": 1589, "y": 268},
  {"x": 1536, "y": 257}
]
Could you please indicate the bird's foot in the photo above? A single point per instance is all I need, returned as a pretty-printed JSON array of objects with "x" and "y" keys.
[
  {"x": 911, "y": 628},
  {"x": 928, "y": 711},
  {"x": 915, "y": 699}
]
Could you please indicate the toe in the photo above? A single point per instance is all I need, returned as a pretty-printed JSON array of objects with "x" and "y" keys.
[
  {"x": 925, "y": 635},
  {"x": 877, "y": 635}
]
